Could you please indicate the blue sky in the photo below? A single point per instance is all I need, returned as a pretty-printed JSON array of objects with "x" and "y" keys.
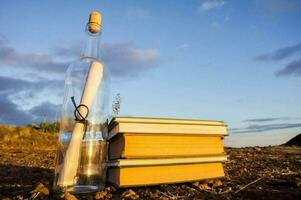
[{"x": 236, "y": 61}]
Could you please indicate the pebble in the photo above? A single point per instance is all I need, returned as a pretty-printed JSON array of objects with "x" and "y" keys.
[
  {"x": 129, "y": 194},
  {"x": 257, "y": 148},
  {"x": 100, "y": 195},
  {"x": 39, "y": 191},
  {"x": 69, "y": 196}
]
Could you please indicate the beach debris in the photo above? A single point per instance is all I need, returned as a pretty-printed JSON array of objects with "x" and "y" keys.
[
  {"x": 101, "y": 195},
  {"x": 68, "y": 196},
  {"x": 129, "y": 194},
  {"x": 40, "y": 191}
]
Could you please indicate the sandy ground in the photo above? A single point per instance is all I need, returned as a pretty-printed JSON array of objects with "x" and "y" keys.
[{"x": 26, "y": 172}]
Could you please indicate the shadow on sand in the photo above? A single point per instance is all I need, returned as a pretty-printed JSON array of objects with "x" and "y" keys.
[{"x": 20, "y": 179}]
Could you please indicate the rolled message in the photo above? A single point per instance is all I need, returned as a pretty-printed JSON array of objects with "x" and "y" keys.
[{"x": 72, "y": 156}]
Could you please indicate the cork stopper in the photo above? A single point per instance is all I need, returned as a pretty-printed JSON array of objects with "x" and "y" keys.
[{"x": 94, "y": 22}]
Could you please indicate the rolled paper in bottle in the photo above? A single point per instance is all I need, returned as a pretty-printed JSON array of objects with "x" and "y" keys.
[{"x": 72, "y": 156}]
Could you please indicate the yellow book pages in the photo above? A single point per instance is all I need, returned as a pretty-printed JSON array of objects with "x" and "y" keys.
[
  {"x": 164, "y": 145},
  {"x": 150, "y": 175},
  {"x": 167, "y": 129},
  {"x": 165, "y": 121}
]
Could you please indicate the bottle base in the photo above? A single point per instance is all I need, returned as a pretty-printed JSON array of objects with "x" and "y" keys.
[{"x": 79, "y": 189}]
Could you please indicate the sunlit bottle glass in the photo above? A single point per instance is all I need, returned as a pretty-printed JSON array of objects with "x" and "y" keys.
[{"x": 90, "y": 164}]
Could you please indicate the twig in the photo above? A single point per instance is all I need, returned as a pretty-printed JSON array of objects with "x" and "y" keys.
[
  {"x": 35, "y": 195},
  {"x": 244, "y": 187},
  {"x": 222, "y": 192},
  {"x": 172, "y": 196},
  {"x": 214, "y": 192},
  {"x": 225, "y": 192}
]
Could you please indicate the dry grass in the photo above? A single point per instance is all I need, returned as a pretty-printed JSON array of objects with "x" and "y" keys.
[{"x": 22, "y": 137}]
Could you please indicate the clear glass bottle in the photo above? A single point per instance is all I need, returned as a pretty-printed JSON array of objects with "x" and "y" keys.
[{"x": 81, "y": 156}]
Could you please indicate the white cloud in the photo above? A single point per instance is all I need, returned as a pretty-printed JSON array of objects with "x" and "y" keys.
[
  {"x": 125, "y": 59},
  {"x": 209, "y": 5},
  {"x": 182, "y": 47}
]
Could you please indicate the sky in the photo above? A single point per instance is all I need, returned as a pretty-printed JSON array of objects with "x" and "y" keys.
[{"x": 234, "y": 61}]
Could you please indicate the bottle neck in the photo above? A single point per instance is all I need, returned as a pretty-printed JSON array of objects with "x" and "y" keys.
[{"x": 92, "y": 46}]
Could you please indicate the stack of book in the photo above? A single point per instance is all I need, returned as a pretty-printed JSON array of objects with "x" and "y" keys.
[{"x": 147, "y": 151}]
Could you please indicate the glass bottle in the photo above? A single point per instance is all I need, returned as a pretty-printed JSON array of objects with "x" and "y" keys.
[{"x": 81, "y": 156}]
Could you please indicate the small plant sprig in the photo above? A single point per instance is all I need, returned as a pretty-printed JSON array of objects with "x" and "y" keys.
[{"x": 116, "y": 104}]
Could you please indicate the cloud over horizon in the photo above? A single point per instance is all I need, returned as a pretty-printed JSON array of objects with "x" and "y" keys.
[
  {"x": 12, "y": 114},
  {"x": 257, "y": 128},
  {"x": 36, "y": 61},
  {"x": 258, "y": 125},
  {"x": 292, "y": 68},
  {"x": 123, "y": 59},
  {"x": 265, "y": 119},
  {"x": 12, "y": 88},
  {"x": 46, "y": 111},
  {"x": 279, "y": 54}
]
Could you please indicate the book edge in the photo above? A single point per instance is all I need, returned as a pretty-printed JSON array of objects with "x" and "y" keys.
[
  {"x": 165, "y": 120},
  {"x": 165, "y": 161},
  {"x": 116, "y": 130}
]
